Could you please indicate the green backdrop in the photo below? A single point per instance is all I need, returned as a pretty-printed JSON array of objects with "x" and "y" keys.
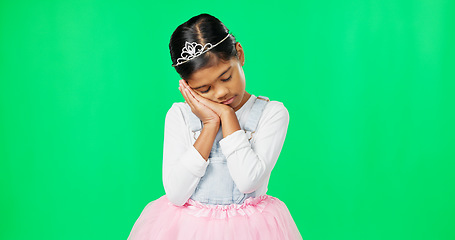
[{"x": 369, "y": 85}]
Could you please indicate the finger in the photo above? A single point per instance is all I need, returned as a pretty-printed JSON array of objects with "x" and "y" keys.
[
  {"x": 191, "y": 101},
  {"x": 191, "y": 93},
  {"x": 195, "y": 95},
  {"x": 184, "y": 94},
  {"x": 186, "y": 86},
  {"x": 183, "y": 85},
  {"x": 198, "y": 98},
  {"x": 188, "y": 99},
  {"x": 203, "y": 100}
]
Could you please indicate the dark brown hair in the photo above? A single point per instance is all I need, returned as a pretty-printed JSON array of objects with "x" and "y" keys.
[{"x": 203, "y": 28}]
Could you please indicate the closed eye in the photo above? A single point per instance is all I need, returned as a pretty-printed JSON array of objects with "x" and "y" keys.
[
  {"x": 205, "y": 90},
  {"x": 227, "y": 79},
  {"x": 224, "y": 80}
]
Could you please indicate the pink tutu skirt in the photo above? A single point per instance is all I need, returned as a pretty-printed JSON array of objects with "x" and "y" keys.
[{"x": 263, "y": 217}]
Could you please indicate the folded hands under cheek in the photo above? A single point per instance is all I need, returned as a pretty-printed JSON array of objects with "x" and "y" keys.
[{"x": 205, "y": 109}]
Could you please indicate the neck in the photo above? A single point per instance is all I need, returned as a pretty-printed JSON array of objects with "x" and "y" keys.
[{"x": 245, "y": 98}]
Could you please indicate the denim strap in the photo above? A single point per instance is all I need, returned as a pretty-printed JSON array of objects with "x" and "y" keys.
[{"x": 255, "y": 113}]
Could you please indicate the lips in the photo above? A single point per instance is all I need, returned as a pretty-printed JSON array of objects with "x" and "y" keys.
[{"x": 229, "y": 101}]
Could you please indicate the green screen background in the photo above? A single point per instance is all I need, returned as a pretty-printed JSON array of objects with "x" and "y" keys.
[{"x": 369, "y": 85}]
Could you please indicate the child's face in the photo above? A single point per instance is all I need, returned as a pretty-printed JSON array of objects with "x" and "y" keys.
[{"x": 222, "y": 82}]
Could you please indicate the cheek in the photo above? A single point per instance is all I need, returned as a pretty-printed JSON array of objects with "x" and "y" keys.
[
  {"x": 206, "y": 95},
  {"x": 209, "y": 96},
  {"x": 239, "y": 85}
]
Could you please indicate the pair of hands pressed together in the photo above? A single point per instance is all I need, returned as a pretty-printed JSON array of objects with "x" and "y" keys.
[{"x": 208, "y": 111}]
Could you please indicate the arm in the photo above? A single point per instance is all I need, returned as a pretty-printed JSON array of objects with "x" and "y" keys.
[
  {"x": 205, "y": 140},
  {"x": 250, "y": 165},
  {"x": 229, "y": 122},
  {"x": 183, "y": 163}
]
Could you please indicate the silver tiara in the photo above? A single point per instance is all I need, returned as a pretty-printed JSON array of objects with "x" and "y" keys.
[{"x": 194, "y": 49}]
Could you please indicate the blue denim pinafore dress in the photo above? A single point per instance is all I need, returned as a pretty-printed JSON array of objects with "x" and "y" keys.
[{"x": 217, "y": 187}]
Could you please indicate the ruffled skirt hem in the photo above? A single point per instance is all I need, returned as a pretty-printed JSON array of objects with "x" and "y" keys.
[{"x": 263, "y": 217}]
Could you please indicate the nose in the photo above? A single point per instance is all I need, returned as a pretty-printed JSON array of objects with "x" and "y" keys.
[{"x": 221, "y": 93}]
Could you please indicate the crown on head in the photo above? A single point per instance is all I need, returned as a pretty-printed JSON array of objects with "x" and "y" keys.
[{"x": 194, "y": 49}]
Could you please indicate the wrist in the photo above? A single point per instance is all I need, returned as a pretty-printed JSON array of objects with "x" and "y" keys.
[
  {"x": 229, "y": 122},
  {"x": 212, "y": 125},
  {"x": 227, "y": 112}
]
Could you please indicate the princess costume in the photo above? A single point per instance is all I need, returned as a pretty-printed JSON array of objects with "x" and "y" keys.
[{"x": 225, "y": 196}]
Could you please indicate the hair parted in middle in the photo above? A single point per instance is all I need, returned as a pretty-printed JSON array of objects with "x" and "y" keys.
[{"x": 202, "y": 29}]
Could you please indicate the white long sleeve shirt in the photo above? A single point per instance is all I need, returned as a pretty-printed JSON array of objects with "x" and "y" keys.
[{"x": 249, "y": 164}]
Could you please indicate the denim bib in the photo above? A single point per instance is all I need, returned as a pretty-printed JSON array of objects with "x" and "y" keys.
[{"x": 216, "y": 187}]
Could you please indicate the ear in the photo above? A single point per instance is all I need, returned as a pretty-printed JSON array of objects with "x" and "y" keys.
[{"x": 240, "y": 53}]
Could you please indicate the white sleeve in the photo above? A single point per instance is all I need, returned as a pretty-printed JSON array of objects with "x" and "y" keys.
[
  {"x": 250, "y": 165},
  {"x": 183, "y": 165}
]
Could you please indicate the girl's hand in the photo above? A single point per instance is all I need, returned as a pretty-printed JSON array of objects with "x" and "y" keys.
[
  {"x": 205, "y": 114},
  {"x": 218, "y": 108}
]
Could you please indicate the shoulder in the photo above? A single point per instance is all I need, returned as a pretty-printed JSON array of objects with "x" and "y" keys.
[
  {"x": 178, "y": 111},
  {"x": 276, "y": 109},
  {"x": 177, "y": 107}
]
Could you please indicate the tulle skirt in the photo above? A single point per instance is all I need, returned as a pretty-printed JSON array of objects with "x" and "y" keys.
[{"x": 263, "y": 217}]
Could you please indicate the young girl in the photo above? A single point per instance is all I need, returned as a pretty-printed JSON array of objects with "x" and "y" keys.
[{"x": 220, "y": 147}]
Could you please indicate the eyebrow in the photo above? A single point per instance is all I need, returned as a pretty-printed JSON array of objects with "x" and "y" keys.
[{"x": 217, "y": 78}]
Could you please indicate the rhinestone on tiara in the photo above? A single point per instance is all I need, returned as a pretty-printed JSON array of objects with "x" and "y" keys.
[{"x": 194, "y": 49}]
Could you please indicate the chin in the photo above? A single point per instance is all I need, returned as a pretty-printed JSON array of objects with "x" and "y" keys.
[
  {"x": 236, "y": 103},
  {"x": 238, "y": 100}
]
